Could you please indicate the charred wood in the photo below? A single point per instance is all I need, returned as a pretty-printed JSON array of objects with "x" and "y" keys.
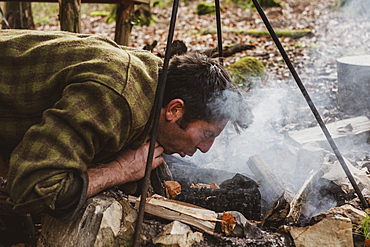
[
  {"x": 237, "y": 194},
  {"x": 323, "y": 196},
  {"x": 299, "y": 199},
  {"x": 276, "y": 215}
]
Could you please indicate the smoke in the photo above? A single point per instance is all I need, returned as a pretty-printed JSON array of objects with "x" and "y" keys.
[
  {"x": 344, "y": 34},
  {"x": 280, "y": 107},
  {"x": 270, "y": 106},
  {"x": 231, "y": 105},
  {"x": 358, "y": 9}
]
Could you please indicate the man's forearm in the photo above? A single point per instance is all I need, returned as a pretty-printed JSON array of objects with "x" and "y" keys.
[
  {"x": 103, "y": 177},
  {"x": 129, "y": 166}
]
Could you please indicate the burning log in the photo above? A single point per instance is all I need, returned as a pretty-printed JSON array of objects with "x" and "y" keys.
[
  {"x": 251, "y": 235},
  {"x": 173, "y": 189},
  {"x": 299, "y": 199},
  {"x": 274, "y": 185},
  {"x": 275, "y": 195},
  {"x": 106, "y": 220},
  {"x": 230, "y": 223},
  {"x": 277, "y": 213},
  {"x": 317, "y": 192},
  {"x": 239, "y": 193}
]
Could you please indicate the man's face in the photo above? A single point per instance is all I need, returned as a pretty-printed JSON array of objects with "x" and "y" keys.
[{"x": 198, "y": 135}]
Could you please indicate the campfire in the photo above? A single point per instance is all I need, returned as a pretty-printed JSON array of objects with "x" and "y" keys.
[{"x": 313, "y": 204}]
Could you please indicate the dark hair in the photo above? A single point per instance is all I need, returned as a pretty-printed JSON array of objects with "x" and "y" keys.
[{"x": 206, "y": 89}]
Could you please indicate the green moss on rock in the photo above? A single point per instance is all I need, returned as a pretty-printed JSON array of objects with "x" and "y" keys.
[
  {"x": 269, "y": 3},
  {"x": 245, "y": 70},
  {"x": 206, "y": 8}
]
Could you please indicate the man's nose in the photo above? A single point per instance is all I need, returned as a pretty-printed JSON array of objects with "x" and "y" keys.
[{"x": 205, "y": 145}]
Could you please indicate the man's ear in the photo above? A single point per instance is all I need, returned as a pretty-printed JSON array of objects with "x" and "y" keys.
[{"x": 175, "y": 109}]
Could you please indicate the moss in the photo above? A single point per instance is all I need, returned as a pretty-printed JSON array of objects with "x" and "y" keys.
[
  {"x": 339, "y": 3},
  {"x": 295, "y": 34},
  {"x": 205, "y": 8},
  {"x": 209, "y": 30},
  {"x": 269, "y": 3},
  {"x": 245, "y": 70},
  {"x": 157, "y": 3}
]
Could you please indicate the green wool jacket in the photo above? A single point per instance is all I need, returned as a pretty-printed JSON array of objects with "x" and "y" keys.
[{"x": 67, "y": 101}]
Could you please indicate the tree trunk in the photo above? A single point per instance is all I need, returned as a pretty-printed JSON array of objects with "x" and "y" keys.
[
  {"x": 354, "y": 84},
  {"x": 19, "y": 15},
  {"x": 123, "y": 23},
  {"x": 70, "y": 15}
]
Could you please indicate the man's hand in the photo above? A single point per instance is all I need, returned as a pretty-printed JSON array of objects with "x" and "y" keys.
[
  {"x": 128, "y": 166},
  {"x": 133, "y": 161}
]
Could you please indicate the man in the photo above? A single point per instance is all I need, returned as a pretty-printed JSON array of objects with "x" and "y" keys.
[{"x": 75, "y": 116}]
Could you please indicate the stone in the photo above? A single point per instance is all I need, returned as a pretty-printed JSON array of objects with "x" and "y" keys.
[
  {"x": 246, "y": 70},
  {"x": 355, "y": 215},
  {"x": 178, "y": 234},
  {"x": 330, "y": 231}
]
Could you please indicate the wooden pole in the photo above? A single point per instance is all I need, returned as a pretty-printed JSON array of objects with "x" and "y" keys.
[
  {"x": 70, "y": 15},
  {"x": 123, "y": 22}
]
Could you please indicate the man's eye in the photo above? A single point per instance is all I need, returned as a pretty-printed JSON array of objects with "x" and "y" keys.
[{"x": 208, "y": 134}]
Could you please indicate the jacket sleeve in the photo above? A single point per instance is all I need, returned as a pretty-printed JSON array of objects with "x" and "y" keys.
[{"x": 88, "y": 118}]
